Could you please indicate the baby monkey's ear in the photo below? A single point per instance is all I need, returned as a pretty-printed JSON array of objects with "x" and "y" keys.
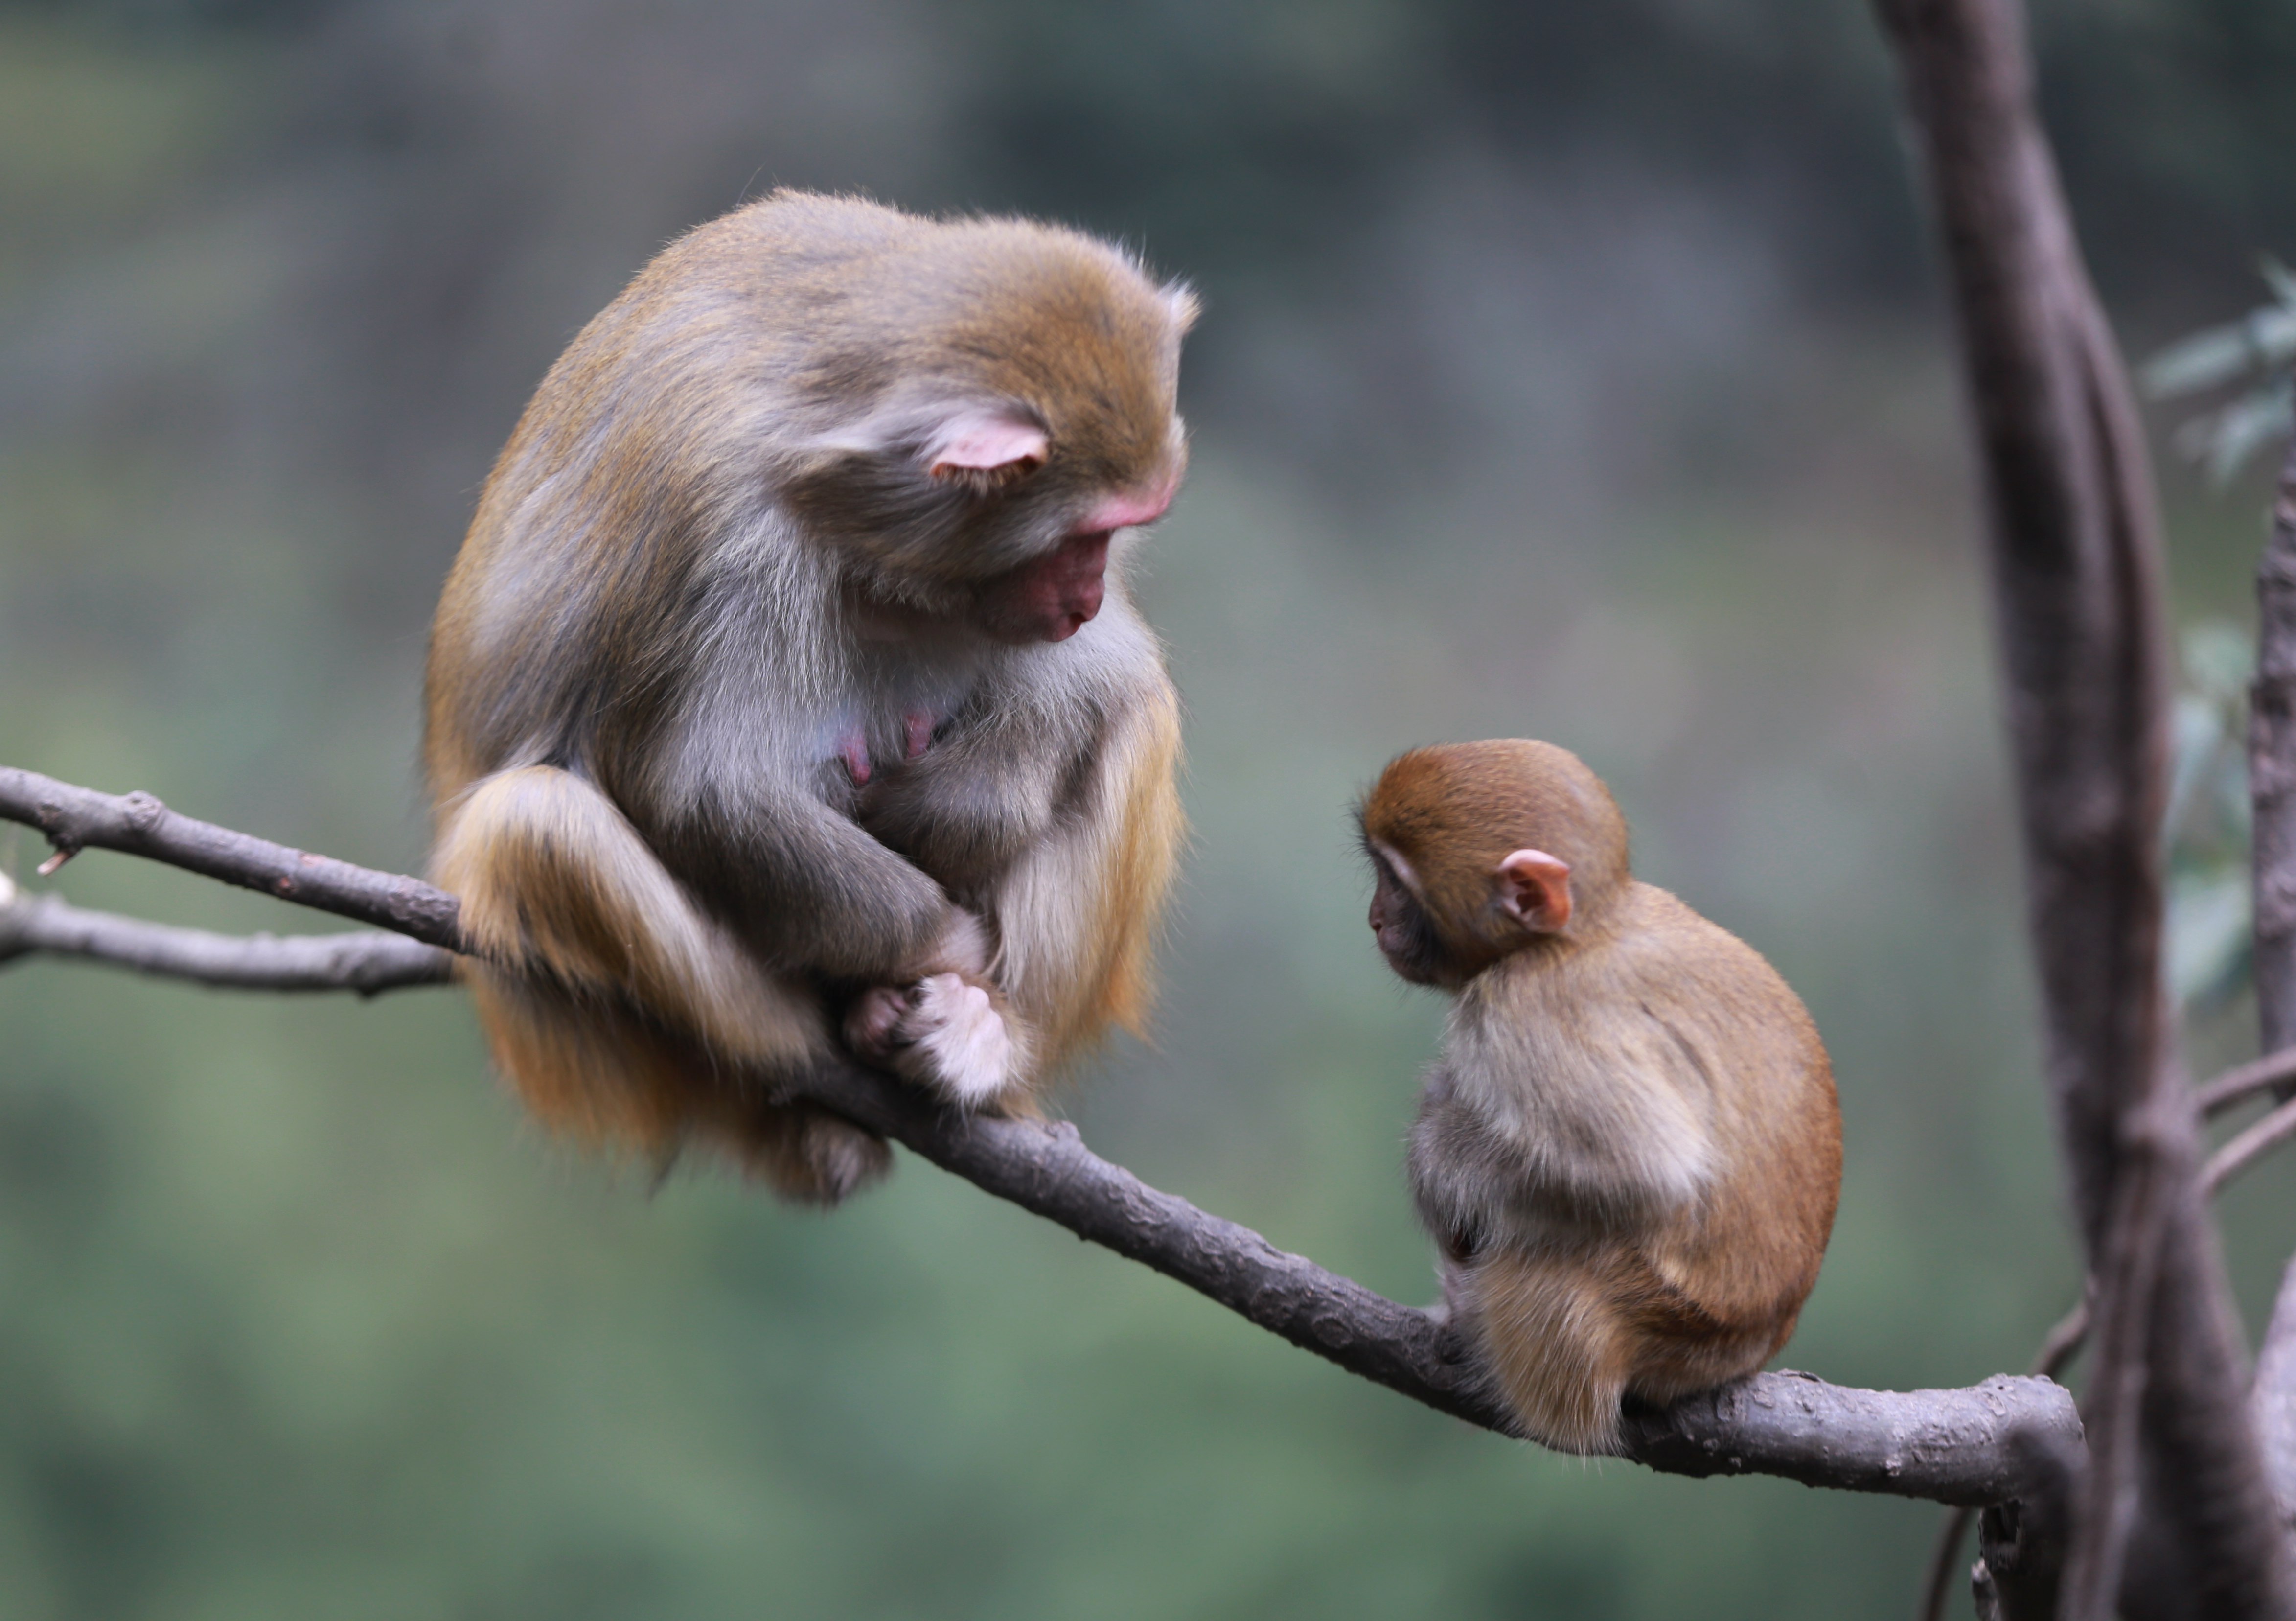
[{"x": 1534, "y": 889}]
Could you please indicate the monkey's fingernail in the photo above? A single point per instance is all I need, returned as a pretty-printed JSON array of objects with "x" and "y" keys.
[
  {"x": 48, "y": 867},
  {"x": 919, "y": 731}
]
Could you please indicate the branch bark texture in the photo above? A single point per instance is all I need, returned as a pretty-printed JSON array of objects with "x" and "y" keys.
[
  {"x": 2076, "y": 566},
  {"x": 1977, "y": 1446}
]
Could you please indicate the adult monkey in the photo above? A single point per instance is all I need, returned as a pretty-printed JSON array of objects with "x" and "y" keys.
[{"x": 787, "y": 680}]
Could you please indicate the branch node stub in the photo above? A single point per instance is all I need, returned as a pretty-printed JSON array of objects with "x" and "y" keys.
[{"x": 143, "y": 811}]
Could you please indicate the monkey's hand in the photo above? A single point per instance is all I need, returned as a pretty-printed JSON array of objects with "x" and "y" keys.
[{"x": 947, "y": 1032}]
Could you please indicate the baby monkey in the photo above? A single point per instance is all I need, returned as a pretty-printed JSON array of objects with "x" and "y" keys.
[{"x": 1629, "y": 1151}]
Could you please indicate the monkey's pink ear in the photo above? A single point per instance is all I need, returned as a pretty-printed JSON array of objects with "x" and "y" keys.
[
  {"x": 985, "y": 441},
  {"x": 1535, "y": 890}
]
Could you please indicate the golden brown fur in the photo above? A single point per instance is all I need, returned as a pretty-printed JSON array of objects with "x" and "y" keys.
[
  {"x": 763, "y": 688},
  {"x": 1629, "y": 1151}
]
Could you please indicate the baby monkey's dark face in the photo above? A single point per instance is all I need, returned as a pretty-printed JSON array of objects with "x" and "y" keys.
[{"x": 1399, "y": 922}]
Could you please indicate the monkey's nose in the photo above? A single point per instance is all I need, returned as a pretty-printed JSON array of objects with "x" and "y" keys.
[{"x": 1083, "y": 599}]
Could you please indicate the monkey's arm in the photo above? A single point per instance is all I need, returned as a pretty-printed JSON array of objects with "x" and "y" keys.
[
  {"x": 804, "y": 886},
  {"x": 979, "y": 795},
  {"x": 1463, "y": 1179},
  {"x": 1596, "y": 1116}
]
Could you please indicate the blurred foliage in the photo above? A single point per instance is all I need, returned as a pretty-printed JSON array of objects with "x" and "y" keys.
[
  {"x": 2258, "y": 351},
  {"x": 2210, "y": 914},
  {"x": 1567, "y": 371}
]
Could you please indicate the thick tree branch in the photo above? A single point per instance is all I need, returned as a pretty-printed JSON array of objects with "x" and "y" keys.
[
  {"x": 1977, "y": 1446},
  {"x": 1947, "y": 1445},
  {"x": 2075, "y": 552},
  {"x": 365, "y": 962}
]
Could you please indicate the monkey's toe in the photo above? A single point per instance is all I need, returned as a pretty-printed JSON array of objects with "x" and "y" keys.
[{"x": 874, "y": 1028}]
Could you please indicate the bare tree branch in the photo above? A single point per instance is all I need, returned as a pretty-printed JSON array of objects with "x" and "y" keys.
[
  {"x": 80, "y": 819},
  {"x": 2272, "y": 771},
  {"x": 2273, "y": 1399},
  {"x": 1921, "y": 1444},
  {"x": 2059, "y": 1347},
  {"x": 2276, "y": 1427},
  {"x": 1975, "y": 1446},
  {"x": 2272, "y": 791},
  {"x": 2255, "y": 1076},
  {"x": 2245, "y": 1149},
  {"x": 2076, "y": 566},
  {"x": 365, "y": 962}
]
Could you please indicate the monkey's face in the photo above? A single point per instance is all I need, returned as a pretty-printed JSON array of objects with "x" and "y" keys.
[
  {"x": 1022, "y": 415},
  {"x": 1399, "y": 922},
  {"x": 1051, "y": 598},
  {"x": 1017, "y": 550}
]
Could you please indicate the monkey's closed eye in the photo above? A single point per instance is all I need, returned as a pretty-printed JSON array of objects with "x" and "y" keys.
[{"x": 982, "y": 482}]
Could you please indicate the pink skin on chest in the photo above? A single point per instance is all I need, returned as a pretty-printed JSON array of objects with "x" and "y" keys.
[{"x": 916, "y": 737}]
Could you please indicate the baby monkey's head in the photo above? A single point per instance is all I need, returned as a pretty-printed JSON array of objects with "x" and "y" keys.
[{"x": 1480, "y": 849}]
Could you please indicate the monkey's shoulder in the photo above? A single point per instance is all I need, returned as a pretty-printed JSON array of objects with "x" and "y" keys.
[
  {"x": 1657, "y": 994},
  {"x": 1741, "y": 1030},
  {"x": 1664, "y": 945}
]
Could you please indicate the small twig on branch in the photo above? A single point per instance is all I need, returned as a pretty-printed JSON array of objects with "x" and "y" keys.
[
  {"x": 2248, "y": 1146},
  {"x": 365, "y": 962},
  {"x": 1976, "y": 1445},
  {"x": 2245, "y": 1081}
]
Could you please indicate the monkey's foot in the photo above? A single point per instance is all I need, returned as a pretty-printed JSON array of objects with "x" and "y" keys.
[
  {"x": 872, "y": 1027},
  {"x": 944, "y": 1032}
]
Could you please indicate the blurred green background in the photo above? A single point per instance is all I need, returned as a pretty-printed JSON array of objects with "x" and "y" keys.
[{"x": 1567, "y": 371}]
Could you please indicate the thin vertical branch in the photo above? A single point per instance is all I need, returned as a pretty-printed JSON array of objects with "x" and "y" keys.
[
  {"x": 2272, "y": 789},
  {"x": 2272, "y": 772},
  {"x": 2273, "y": 1400},
  {"x": 2076, "y": 566}
]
